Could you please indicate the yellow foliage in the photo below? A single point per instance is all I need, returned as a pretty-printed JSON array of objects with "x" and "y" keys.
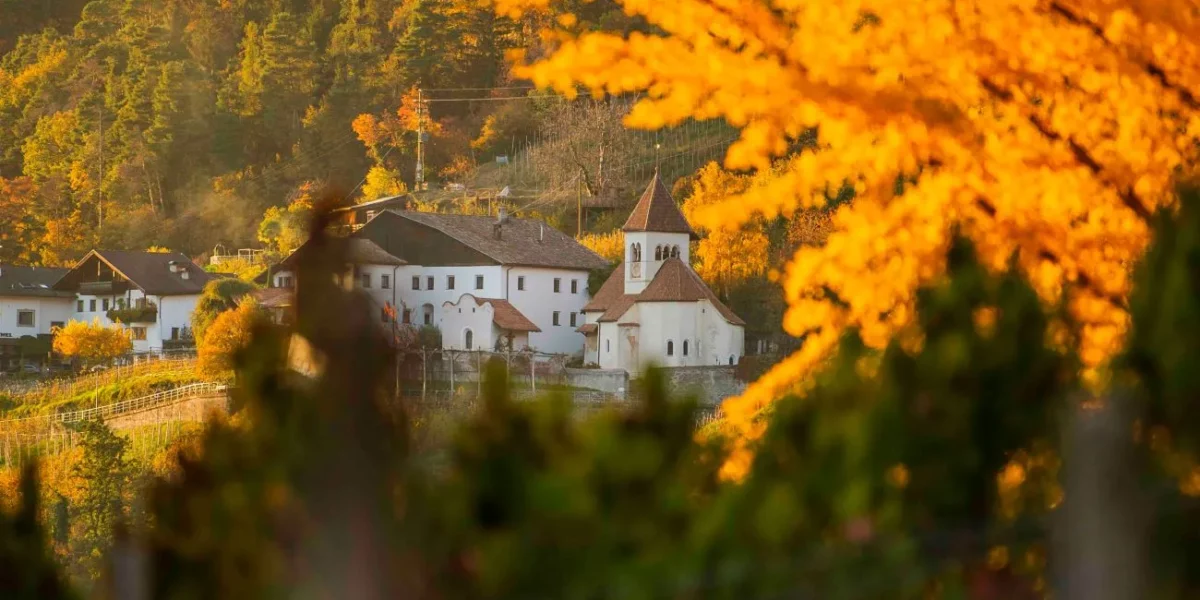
[
  {"x": 229, "y": 334},
  {"x": 725, "y": 256},
  {"x": 382, "y": 182},
  {"x": 91, "y": 342},
  {"x": 158, "y": 250},
  {"x": 1048, "y": 132},
  {"x": 610, "y": 246}
]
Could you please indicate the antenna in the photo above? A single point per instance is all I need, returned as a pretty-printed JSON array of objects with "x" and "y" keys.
[{"x": 420, "y": 180}]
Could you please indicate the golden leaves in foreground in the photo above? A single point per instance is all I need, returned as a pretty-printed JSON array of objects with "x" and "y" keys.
[{"x": 1043, "y": 130}]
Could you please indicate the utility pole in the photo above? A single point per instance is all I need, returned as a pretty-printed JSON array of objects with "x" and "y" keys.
[
  {"x": 420, "y": 180},
  {"x": 578, "y": 207}
]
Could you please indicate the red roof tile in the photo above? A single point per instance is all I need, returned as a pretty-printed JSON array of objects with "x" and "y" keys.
[
  {"x": 674, "y": 282},
  {"x": 657, "y": 211},
  {"x": 505, "y": 315}
]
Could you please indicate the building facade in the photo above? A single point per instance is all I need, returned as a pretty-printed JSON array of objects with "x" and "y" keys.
[
  {"x": 656, "y": 309},
  {"x": 448, "y": 270},
  {"x": 30, "y": 309},
  {"x": 150, "y": 294}
]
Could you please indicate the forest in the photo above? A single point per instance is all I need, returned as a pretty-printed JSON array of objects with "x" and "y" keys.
[{"x": 128, "y": 124}]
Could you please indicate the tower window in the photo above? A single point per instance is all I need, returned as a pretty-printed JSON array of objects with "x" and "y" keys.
[
  {"x": 685, "y": 347},
  {"x": 670, "y": 348}
]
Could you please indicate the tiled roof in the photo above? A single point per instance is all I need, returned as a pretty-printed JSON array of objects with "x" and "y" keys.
[
  {"x": 31, "y": 281},
  {"x": 359, "y": 251},
  {"x": 674, "y": 282},
  {"x": 523, "y": 242},
  {"x": 505, "y": 315},
  {"x": 657, "y": 211},
  {"x": 151, "y": 271},
  {"x": 587, "y": 328},
  {"x": 273, "y": 297}
]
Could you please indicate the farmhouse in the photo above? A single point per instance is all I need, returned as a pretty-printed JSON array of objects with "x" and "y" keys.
[
  {"x": 656, "y": 309},
  {"x": 151, "y": 294},
  {"x": 30, "y": 308}
]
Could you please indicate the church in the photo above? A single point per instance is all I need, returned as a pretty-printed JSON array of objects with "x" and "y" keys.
[{"x": 654, "y": 309}]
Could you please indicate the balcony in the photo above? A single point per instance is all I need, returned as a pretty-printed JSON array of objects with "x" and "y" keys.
[
  {"x": 103, "y": 288},
  {"x": 142, "y": 313}
]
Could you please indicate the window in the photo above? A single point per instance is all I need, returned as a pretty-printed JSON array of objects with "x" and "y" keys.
[
  {"x": 685, "y": 348},
  {"x": 366, "y": 280},
  {"x": 658, "y": 253},
  {"x": 385, "y": 282},
  {"x": 670, "y": 348},
  {"x": 56, "y": 325},
  {"x": 174, "y": 333},
  {"x": 428, "y": 313},
  {"x": 479, "y": 282},
  {"x": 636, "y": 251},
  {"x": 520, "y": 283},
  {"x": 555, "y": 317},
  {"x": 429, "y": 282},
  {"x": 139, "y": 334},
  {"x": 573, "y": 317},
  {"x": 449, "y": 282},
  {"x": 608, "y": 345},
  {"x": 106, "y": 304},
  {"x": 469, "y": 339},
  {"x": 92, "y": 305},
  {"x": 416, "y": 282},
  {"x": 407, "y": 316},
  {"x": 731, "y": 359},
  {"x": 674, "y": 251},
  {"x": 574, "y": 286},
  {"x": 25, "y": 318},
  {"x": 557, "y": 285},
  {"x": 79, "y": 306}
]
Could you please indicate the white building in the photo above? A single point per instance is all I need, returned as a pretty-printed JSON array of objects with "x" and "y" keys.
[
  {"x": 30, "y": 308},
  {"x": 149, "y": 293},
  {"x": 656, "y": 309},
  {"x": 431, "y": 269}
]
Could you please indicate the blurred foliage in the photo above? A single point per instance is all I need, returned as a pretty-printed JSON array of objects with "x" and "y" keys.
[{"x": 928, "y": 469}]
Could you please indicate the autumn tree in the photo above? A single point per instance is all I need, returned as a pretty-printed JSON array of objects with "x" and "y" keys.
[
  {"x": 283, "y": 229},
  {"x": 92, "y": 342},
  {"x": 229, "y": 333},
  {"x": 1045, "y": 132},
  {"x": 218, "y": 296}
]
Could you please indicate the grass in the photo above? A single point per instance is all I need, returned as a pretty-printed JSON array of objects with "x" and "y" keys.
[{"x": 134, "y": 386}]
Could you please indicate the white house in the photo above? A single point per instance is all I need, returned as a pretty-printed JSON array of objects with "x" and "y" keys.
[
  {"x": 656, "y": 309},
  {"x": 30, "y": 308},
  {"x": 151, "y": 294},
  {"x": 431, "y": 268}
]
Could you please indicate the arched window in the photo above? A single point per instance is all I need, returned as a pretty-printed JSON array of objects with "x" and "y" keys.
[
  {"x": 670, "y": 348},
  {"x": 685, "y": 349},
  {"x": 469, "y": 340},
  {"x": 674, "y": 251},
  {"x": 658, "y": 253},
  {"x": 635, "y": 252},
  {"x": 731, "y": 359}
]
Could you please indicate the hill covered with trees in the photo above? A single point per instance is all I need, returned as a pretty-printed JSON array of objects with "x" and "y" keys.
[{"x": 131, "y": 123}]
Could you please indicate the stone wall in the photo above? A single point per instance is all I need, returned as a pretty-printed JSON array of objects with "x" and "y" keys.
[
  {"x": 710, "y": 384},
  {"x": 613, "y": 381}
]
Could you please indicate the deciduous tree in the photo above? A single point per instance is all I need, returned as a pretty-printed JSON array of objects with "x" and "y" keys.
[
  {"x": 91, "y": 342},
  {"x": 1046, "y": 131},
  {"x": 228, "y": 335}
]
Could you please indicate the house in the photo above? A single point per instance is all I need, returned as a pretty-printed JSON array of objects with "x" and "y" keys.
[
  {"x": 30, "y": 308},
  {"x": 152, "y": 294},
  {"x": 451, "y": 271},
  {"x": 655, "y": 309}
]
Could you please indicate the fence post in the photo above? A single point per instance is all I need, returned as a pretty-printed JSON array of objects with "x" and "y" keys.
[
  {"x": 424, "y": 376},
  {"x": 533, "y": 373},
  {"x": 479, "y": 374}
]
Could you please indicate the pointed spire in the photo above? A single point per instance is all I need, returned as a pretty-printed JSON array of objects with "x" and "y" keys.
[{"x": 657, "y": 211}]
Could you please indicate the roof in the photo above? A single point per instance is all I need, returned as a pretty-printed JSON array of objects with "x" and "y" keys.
[
  {"x": 359, "y": 251},
  {"x": 504, "y": 314},
  {"x": 522, "y": 242},
  {"x": 674, "y": 282},
  {"x": 587, "y": 328},
  {"x": 31, "y": 281},
  {"x": 273, "y": 297},
  {"x": 151, "y": 271},
  {"x": 657, "y": 211}
]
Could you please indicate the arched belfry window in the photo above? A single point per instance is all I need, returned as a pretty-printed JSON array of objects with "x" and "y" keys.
[
  {"x": 636, "y": 253},
  {"x": 674, "y": 251},
  {"x": 658, "y": 253}
]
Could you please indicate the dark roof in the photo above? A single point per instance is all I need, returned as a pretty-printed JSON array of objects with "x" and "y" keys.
[
  {"x": 150, "y": 271},
  {"x": 674, "y": 282},
  {"x": 657, "y": 211},
  {"x": 359, "y": 251},
  {"x": 504, "y": 314},
  {"x": 31, "y": 281},
  {"x": 273, "y": 297},
  {"x": 522, "y": 242}
]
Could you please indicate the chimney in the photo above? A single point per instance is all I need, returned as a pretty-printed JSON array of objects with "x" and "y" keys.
[{"x": 503, "y": 216}]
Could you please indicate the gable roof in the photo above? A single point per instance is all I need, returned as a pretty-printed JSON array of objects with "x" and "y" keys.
[
  {"x": 274, "y": 297},
  {"x": 657, "y": 211},
  {"x": 504, "y": 314},
  {"x": 149, "y": 271},
  {"x": 31, "y": 281},
  {"x": 359, "y": 251},
  {"x": 674, "y": 282},
  {"x": 522, "y": 242}
]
